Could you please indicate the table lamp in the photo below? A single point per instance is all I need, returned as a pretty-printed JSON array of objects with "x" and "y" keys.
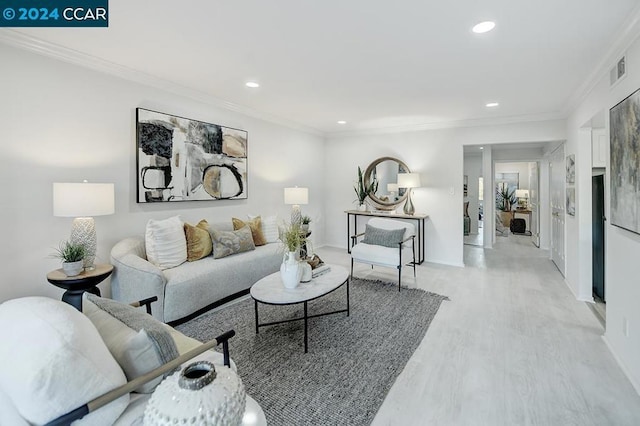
[
  {"x": 408, "y": 181},
  {"x": 82, "y": 201},
  {"x": 295, "y": 197},
  {"x": 522, "y": 195}
]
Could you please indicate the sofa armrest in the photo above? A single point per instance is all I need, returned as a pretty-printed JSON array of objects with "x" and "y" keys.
[{"x": 134, "y": 278}]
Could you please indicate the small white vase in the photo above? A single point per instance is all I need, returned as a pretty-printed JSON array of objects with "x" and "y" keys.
[
  {"x": 290, "y": 271},
  {"x": 362, "y": 207},
  {"x": 71, "y": 269},
  {"x": 306, "y": 272}
]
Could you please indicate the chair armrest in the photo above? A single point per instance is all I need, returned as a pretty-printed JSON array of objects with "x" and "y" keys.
[
  {"x": 146, "y": 303},
  {"x": 129, "y": 387},
  {"x": 353, "y": 237}
]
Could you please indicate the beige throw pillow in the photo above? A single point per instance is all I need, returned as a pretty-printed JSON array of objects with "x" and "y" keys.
[
  {"x": 226, "y": 243},
  {"x": 255, "y": 225},
  {"x": 198, "y": 240},
  {"x": 269, "y": 225}
]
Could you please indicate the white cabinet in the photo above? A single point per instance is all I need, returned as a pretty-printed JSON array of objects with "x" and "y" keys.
[{"x": 599, "y": 144}]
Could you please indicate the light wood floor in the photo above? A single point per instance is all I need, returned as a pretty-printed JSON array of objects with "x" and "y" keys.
[{"x": 512, "y": 347}]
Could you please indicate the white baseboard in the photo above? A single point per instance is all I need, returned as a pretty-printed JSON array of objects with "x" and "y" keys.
[{"x": 624, "y": 369}]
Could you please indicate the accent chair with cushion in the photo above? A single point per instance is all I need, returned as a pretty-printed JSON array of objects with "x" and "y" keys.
[
  {"x": 58, "y": 362},
  {"x": 385, "y": 242}
]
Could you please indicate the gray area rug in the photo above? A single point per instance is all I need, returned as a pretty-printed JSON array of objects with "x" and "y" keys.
[{"x": 352, "y": 361}]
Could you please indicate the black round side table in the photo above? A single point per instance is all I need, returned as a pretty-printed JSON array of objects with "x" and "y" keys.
[{"x": 76, "y": 286}]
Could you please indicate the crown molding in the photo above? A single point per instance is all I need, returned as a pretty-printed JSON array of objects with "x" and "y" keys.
[
  {"x": 45, "y": 48},
  {"x": 628, "y": 33},
  {"x": 479, "y": 122}
]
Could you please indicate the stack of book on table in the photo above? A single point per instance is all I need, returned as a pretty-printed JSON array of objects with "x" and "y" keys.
[{"x": 320, "y": 270}]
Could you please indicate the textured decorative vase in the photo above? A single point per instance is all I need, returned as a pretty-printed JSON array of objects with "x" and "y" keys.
[
  {"x": 306, "y": 272},
  {"x": 71, "y": 269},
  {"x": 362, "y": 207},
  {"x": 197, "y": 395},
  {"x": 290, "y": 271}
]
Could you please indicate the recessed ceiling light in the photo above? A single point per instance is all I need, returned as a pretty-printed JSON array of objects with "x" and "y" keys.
[
  {"x": 252, "y": 84},
  {"x": 492, "y": 104},
  {"x": 482, "y": 147},
  {"x": 483, "y": 27},
  {"x": 342, "y": 122}
]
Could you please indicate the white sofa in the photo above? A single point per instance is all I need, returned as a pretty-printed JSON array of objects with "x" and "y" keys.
[
  {"x": 191, "y": 286},
  {"x": 56, "y": 359}
]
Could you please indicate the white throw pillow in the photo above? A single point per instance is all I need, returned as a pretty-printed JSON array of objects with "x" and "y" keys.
[
  {"x": 269, "y": 227},
  {"x": 165, "y": 242},
  {"x": 53, "y": 361},
  {"x": 133, "y": 337}
]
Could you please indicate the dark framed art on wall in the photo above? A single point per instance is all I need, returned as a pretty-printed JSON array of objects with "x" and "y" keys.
[
  {"x": 180, "y": 159},
  {"x": 625, "y": 163}
]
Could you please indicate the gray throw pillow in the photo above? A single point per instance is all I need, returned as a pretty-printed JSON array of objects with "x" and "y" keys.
[
  {"x": 137, "y": 341},
  {"x": 226, "y": 243},
  {"x": 383, "y": 237}
]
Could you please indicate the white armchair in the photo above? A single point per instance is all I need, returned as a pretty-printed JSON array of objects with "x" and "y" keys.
[
  {"x": 385, "y": 242},
  {"x": 62, "y": 366}
]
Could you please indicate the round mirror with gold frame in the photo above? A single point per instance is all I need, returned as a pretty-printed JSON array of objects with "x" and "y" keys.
[{"x": 384, "y": 171}]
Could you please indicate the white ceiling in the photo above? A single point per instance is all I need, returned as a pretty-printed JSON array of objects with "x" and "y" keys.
[{"x": 372, "y": 63}]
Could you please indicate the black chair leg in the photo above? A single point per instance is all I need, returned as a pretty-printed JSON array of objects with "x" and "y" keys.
[
  {"x": 351, "y": 274},
  {"x": 399, "y": 277}
]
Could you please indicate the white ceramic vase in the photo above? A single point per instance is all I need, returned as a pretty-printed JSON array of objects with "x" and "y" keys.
[
  {"x": 290, "y": 271},
  {"x": 362, "y": 207},
  {"x": 71, "y": 269}
]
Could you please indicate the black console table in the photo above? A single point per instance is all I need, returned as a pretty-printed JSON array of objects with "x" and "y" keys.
[{"x": 419, "y": 218}]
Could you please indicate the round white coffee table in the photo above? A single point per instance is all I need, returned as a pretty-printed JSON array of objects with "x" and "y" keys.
[{"x": 270, "y": 291}]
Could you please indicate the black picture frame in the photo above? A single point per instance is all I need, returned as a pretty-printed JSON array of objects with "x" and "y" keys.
[{"x": 182, "y": 159}]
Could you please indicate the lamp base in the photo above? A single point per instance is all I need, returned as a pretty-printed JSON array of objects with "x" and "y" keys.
[
  {"x": 296, "y": 215},
  {"x": 83, "y": 231},
  {"x": 409, "y": 209}
]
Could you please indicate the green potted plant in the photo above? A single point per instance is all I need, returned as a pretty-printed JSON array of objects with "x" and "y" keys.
[
  {"x": 505, "y": 198},
  {"x": 292, "y": 237},
  {"x": 306, "y": 220},
  {"x": 72, "y": 255},
  {"x": 362, "y": 191}
]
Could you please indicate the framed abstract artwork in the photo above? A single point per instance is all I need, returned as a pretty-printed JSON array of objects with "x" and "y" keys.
[
  {"x": 571, "y": 168},
  {"x": 180, "y": 159},
  {"x": 625, "y": 163},
  {"x": 571, "y": 201}
]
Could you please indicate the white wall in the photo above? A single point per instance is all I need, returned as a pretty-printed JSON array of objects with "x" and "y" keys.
[
  {"x": 438, "y": 156},
  {"x": 64, "y": 123},
  {"x": 522, "y": 168},
  {"x": 622, "y": 268},
  {"x": 473, "y": 171}
]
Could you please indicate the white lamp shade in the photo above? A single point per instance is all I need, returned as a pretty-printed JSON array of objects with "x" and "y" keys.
[
  {"x": 296, "y": 196},
  {"x": 83, "y": 199},
  {"x": 392, "y": 187},
  {"x": 522, "y": 193},
  {"x": 408, "y": 180}
]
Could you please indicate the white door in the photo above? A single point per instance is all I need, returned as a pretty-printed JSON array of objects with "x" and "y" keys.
[
  {"x": 557, "y": 191},
  {"x": 534, "y": 197}
]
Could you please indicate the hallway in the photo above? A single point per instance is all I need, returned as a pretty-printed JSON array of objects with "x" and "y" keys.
[{"x": 512, "y": 347}]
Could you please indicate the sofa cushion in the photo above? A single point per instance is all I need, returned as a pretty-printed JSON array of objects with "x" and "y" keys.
[
  {"x": 226, "y": 243},
  {"x": 136, "y": 340},
  {"x": 383, "y": 237},
  {"x": 196, "y": 285},
  {"x": 255, "y": 225},
  {"x": 198, "y": 240},
  {"x": 269, "y": 225},
  {"x": 54, "y": 361},
  {"x": 165, "y": 242}
]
